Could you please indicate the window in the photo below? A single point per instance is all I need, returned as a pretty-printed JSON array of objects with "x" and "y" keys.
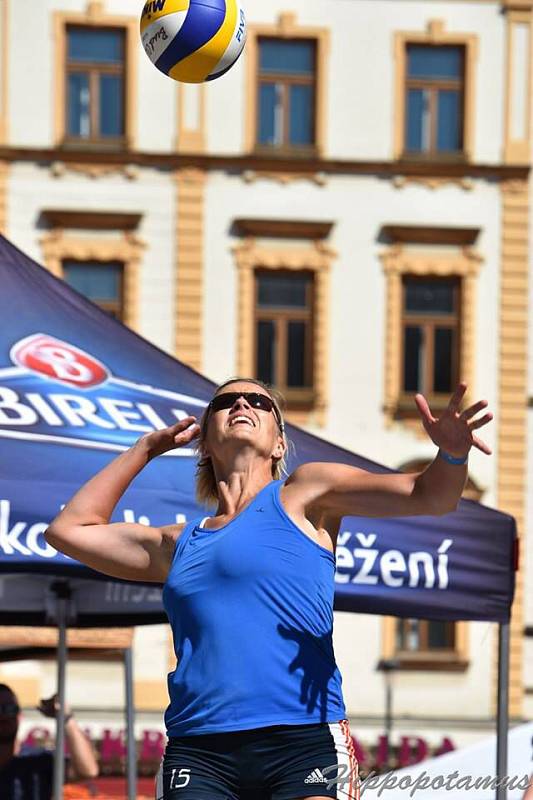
[
  {"x": 95, "y": 84},
  {"x": 419, "y": 644},
  {"x": 430, "y": 336},
  {"x": 100, "y": 282},
  {"x": 286, "y": 108},
  {"x": 284, "y": 333},
  {"x": 434, "y": 99}
]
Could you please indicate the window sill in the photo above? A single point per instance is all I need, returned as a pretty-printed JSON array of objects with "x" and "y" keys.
[
  {"x": 280, "y": 152},
  {"x": 437, "y": 157},
  {"x": 94, "y": 145},
  {"x": 431, "y": 662}
]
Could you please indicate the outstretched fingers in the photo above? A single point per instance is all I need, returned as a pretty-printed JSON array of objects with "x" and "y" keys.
[
  {"x": 456, "y": 398},
  {"x": 481, "y": 445},
  {"x": 424, "y": 409},
  {"x": 474, "y": 409},
  {"x": 479, "y": 423}
]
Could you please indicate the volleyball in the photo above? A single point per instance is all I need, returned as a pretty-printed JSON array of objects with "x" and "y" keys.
[{"x": 193, "y": 40}]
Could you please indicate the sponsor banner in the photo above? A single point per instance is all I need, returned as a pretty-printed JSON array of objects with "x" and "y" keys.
[
  {"x": 77, "y": 388},
  {"x": 453, "y": 567}
]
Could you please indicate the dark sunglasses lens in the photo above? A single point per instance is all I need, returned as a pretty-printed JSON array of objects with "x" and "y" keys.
[
  {"x": 255, "y": 399},
  {"x": 261, "y": 401},
  {"x": 225, "y": 400}
]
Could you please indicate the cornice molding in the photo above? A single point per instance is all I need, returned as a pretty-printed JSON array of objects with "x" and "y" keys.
[
  {"x": 283, "y": 229},
  {"x": 172, "y": 161},
  {"x": 517, "y": 5},
  {"x": 90, "y": 220},
  {"x": 430, "y": 234}
]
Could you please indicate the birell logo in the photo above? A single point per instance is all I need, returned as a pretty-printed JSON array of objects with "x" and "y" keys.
[{"x": 56, "y": 392}]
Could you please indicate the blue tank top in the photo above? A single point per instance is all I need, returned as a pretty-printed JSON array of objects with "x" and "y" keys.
[{"x": 251, "y": 611}]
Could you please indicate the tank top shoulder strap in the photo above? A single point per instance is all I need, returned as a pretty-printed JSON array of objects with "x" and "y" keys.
[{"x": 270, "y": 495}]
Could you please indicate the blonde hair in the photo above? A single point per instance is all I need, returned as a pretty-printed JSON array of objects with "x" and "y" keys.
[{"x": 206, "y": 485}]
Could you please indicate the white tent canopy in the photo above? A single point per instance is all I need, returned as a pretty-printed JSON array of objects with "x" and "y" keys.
[{"x": 475, "y": 762}]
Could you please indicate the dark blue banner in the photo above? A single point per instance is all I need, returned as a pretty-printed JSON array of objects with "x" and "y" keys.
[{"x": 77, "y": 387}]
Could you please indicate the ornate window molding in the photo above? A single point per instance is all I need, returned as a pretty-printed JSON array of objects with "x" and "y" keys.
[
  {"x": 128, "y": 248},
  {"x": 397, "y": 260},
  {"x": 286, "y": 28},
  {"x": 317, "y": 257},
  {"x": 435, "y": 34},
  {"x": 95, "y": 16}
]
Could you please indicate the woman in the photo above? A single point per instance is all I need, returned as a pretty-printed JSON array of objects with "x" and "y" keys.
[{"x": 256, "y": 707}]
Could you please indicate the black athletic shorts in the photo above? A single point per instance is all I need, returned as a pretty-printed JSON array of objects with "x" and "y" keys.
[{"x": 280, "y": 762}]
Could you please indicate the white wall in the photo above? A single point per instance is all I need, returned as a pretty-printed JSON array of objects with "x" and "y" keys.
[{"x": 360, "y": 109}]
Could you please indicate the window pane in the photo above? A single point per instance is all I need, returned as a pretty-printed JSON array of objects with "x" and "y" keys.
[
  {"x": 408, "y": 634},
  {"x": 449, "y": 121},
  {"x": 440, "y": 635},
  {"x": 104, "y": 46},
  {"x": 111, "y": 105},
  {"x": 293, "y": 57},
  {"x": 281, "y": 291},
  {"x": 430, "y": 296},
  {"x": 78, "y": 109},
  {"x": 296, "y": 355},
  {"x": 442, "y": 369},
  {"x": 417, "y": 121},
  {"x": 265, "y": 355},
  {"x": 412, "y": 358},
  {"x": 301, "y": 114},
  {"x": 95, "y": 280},
  {"x": 269, "y": 113},
  {"x": 425, "y": 61}
]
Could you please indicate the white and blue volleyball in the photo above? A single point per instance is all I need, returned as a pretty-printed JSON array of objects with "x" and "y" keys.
[{"x": 193, "y": 40}]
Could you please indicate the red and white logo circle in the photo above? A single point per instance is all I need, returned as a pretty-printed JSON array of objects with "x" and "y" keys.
[{"x": 59, "y": 360}]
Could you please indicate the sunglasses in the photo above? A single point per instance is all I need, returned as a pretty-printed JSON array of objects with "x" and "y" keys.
[
  {"x": 9, "y": 709},
  {"x": 254, "y": 399}
]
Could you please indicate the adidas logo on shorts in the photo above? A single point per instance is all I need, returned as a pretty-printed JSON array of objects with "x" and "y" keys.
[{"x": 315, "y": 777}]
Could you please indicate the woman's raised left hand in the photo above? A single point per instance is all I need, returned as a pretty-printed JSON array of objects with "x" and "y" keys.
[{"x": 454, "y": 430}]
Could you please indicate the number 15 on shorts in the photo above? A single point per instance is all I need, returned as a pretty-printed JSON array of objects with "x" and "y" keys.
[{"x": 180, "y": 778}]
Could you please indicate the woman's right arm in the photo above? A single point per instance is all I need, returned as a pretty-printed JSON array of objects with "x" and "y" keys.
[{"x": 124, "y": 550}]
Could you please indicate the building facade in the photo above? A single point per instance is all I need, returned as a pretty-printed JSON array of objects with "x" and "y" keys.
[{"x": 344, "y": 214}]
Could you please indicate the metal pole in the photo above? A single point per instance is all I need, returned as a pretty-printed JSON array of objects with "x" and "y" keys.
[
  {"x": 388, "y": 706},
  {"x": 503, "y": 708},
  {"x": 62, "y": 592},
  {"x": 131, "y": 757}
]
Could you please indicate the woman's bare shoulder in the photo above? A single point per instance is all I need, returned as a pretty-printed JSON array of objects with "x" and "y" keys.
[
  {"x": 170, "y": 534},
  {"x": 173, "y": 532}
]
